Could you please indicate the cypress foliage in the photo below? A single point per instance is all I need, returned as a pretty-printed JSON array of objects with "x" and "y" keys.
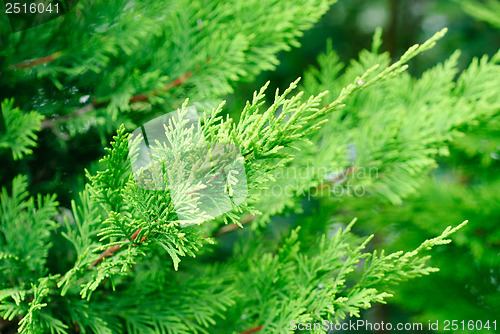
[{"x": 142, "y": 248}]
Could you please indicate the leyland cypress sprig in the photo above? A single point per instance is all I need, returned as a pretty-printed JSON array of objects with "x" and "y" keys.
[{"x": 138, "y": 250}]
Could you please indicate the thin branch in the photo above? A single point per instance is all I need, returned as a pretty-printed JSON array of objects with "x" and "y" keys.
[
  {"x": 107, "y": 253},
  {"x": 113, "y": 249},
  {"x": 233, "y": 227},
  {"x": 50, "y": 123},
  {"x": 253, "y": 330},
  {"x": 37, "y": 61}
]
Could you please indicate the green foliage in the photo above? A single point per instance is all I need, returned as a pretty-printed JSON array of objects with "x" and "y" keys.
[
  {"x": 385, "y": 138},
  {"x": 38, "y": 322},
  {"x": 423, "y": 120},
  {"x": 18, "y": 133},
  {"x": 24, "y": 245},
  {"x": 206, "y": 46},
  {"x": 125, "y": 259},
  {"x": 469, "y": 268},
  {"x": 400, "y": 126},
  {"x": 315, "y": 280},
  {"x": 25, "y": 231}
]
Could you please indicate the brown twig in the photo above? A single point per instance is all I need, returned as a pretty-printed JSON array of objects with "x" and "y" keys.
[
  {"x": 113, "y": 249},
  {"x": 107, "y": 253},
  {"x": 49, "y": 123},
  {"x": 233, "y": 227},
  {"x": 37, "y": 61},
  {"x": 253, "y": 330},
  {"x": 338, "y": 178}
]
